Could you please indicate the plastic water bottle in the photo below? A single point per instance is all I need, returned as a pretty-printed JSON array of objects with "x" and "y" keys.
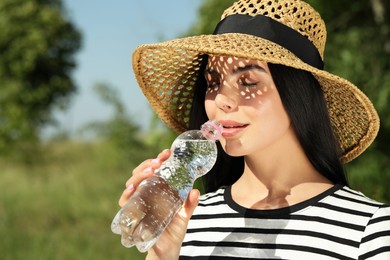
[{"x": 157, "y": 199}]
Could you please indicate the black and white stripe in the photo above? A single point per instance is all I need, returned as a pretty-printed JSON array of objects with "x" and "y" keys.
[{"x": 337, "y": 224}]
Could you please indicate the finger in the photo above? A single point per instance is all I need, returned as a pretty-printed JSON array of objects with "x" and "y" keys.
[
  {"x": 146, "y": 168},
  {"x": 143, "y": 171},
  {"x": 164, "y": 155},
  {"x": 133, "y": 183},
  {"x": 126, "y": 194}
]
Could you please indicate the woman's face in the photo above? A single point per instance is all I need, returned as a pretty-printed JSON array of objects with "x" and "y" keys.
[{"x": 242, "y": 96}]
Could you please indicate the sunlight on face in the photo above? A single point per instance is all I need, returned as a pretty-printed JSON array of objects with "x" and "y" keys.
[
  {"x": 241, "y": 95},
  {"x": 248, "y": 78}
]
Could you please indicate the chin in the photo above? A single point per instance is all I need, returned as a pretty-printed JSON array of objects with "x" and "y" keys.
[{"x": 233, "y": 149}]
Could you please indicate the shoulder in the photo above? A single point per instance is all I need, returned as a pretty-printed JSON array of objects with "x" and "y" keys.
[
  {"x": 354, "y": 199},
  {"x": 375, "y": 242},
  {"x": 375, "y": 239},
  {"x": 379, "y": 212}
]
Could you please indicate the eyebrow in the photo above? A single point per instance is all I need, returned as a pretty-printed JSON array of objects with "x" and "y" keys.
[
  {"x": 237, "y": 70},
  {"x": 248, "y": 67}
]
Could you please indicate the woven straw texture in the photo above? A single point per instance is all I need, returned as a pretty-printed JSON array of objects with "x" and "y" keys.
[{"x": 167, "y": 72}]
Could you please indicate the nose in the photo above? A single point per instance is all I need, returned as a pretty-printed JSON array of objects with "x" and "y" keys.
[{"x": 225, "y": 100}]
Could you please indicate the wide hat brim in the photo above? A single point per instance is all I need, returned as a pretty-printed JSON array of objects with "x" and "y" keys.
[{"x": 166, "y": 72}]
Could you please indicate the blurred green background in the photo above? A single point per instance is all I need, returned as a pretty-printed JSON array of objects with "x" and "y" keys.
[{"x": 59, "y": 195}]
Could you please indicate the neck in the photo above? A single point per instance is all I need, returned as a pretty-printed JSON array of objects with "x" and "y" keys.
[{"x": 278, "y": 177}]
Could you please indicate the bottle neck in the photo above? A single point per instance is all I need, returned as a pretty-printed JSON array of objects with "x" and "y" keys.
[{"x": 212, "y": 130}]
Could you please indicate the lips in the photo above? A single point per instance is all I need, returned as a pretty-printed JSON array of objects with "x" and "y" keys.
[{"x": 232, "y": 128}]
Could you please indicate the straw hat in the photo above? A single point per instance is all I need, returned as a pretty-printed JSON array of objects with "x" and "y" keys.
[{"x": 287, "y": 32}]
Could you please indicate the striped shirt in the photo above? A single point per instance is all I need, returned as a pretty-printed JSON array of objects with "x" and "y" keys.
[{"x": 339, "y": 223}]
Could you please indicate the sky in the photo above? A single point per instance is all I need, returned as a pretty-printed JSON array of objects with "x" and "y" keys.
[{"x": 111, "y": 30}]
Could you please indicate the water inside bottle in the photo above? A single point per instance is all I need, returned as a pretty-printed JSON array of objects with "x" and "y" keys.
[
  {"x": 157, "y": 199},
  {"x": 191, "y": 159},
  {"x": 154, "y": 204}
]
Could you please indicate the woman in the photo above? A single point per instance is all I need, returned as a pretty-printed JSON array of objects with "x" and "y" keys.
[{"x": 278, "y": 189}]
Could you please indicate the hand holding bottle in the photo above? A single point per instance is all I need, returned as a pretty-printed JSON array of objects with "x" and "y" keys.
[
  {"x": 169, "y": 243},
  {"x": 158, "y": 198}
]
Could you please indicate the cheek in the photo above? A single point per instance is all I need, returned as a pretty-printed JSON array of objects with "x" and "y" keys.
[
  {"x": 273, "y": 121},
  {"x": 280, "y": 115},
  {"x": 210, "y": 108},
  {"x": 256, "y": 96}
]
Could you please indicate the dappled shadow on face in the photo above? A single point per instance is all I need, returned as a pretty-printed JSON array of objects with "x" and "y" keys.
[{"x": 243, "y": 80}]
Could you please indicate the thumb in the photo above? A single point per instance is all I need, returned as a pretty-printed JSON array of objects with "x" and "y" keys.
[
  {"x": 190, "y": 204},
  {"x": 174, "y": 234}
]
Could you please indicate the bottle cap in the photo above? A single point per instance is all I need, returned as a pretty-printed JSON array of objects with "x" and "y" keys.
[{"x": 212, "y": 130}]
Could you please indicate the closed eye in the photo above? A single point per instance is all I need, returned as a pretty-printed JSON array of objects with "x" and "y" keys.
[
  {"x": 246, "y": 80},
  {"x": 247, "y": 83},
  {"x": 212, "y": 78}
]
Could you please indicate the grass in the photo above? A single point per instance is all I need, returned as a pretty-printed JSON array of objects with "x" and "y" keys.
[{"x": 61, "y": 207}]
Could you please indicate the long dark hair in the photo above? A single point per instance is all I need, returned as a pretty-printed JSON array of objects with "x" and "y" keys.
[{"x": 303, "y": 99}]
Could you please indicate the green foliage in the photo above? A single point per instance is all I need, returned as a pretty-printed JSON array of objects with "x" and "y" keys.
[
  {"x": 209, "y": 14},
  {"x": 370, "y": 174},
  {"x": 37, "y": 43},
  {"x": 62, "y": 207},
  {"x": 159, "y": 136}
]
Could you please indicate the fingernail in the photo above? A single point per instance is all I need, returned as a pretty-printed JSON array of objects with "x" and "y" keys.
[
  {"x": 130, "y": 187},
  {"x": 156, "y": 160},
  {"x": 149, "y": 169}
]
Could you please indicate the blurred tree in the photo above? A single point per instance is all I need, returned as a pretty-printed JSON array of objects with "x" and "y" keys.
[
  {"x": 159, "y": 136},
  {"x": 120, "y": 130},
  {"x": 209, "y": 14},
  {"x": 132, "y": 142},
  {"x": 37, "y": 43}
]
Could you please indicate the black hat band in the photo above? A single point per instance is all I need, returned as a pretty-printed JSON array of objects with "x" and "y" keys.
[{"x": 270, "y": 29}]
